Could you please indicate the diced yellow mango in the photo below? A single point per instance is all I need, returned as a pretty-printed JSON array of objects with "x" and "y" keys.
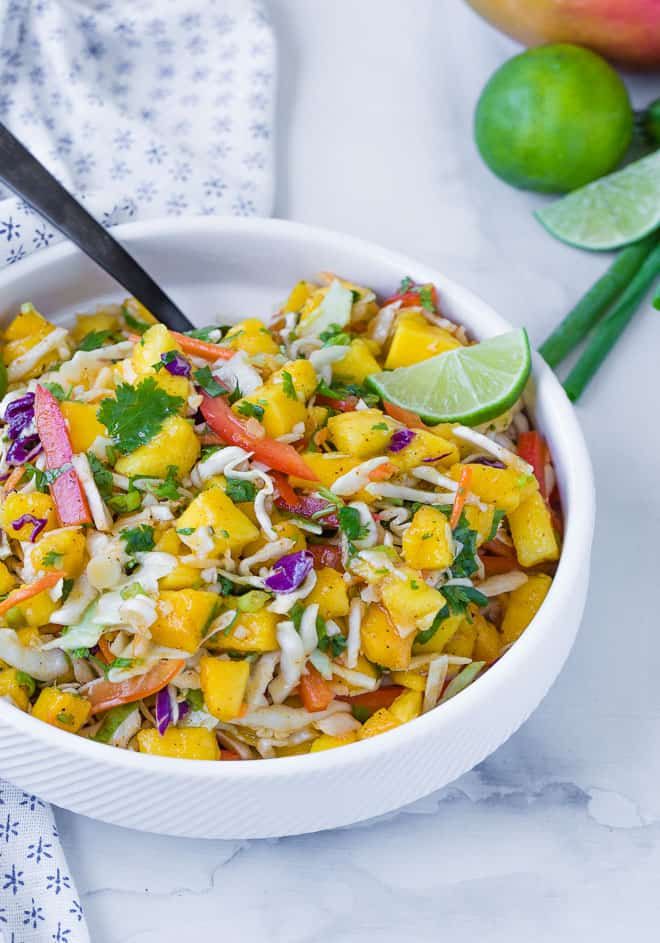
[
  {"x": 480, "y": 521},
  {"x": 224, "y": 684},
  {"x": 12, "y": 684},
  {"x": 182, "y": 576},
  {"x": 92, "y": 323},
  {"x": 35, "y": 611},
  {"x": 488, "y": 644},
  {"x": 61, "y": 550},
  {"x": 357, "y": 364},
  {"x": 26, "y": 330},
  {"x": 382, "y": 643},
  {"x": 462, "y": 642},
  {"x": 283, "y": 402},
  {"x": 533, "y": 534},
  {"x": 300, "y": 292},
  {"x": 62, "y": 709},
  {"x": 406, "y": 706},
  {"x": 327, "y": 467},
  {"x": 380, "y": 722},
  {"x": 230, "y": 528},
  {"x": 183, "y": 617},
  {"x": 424, "y": 446},
  {"x": 410, "y": 601},
  {"x": 445, "y": 632},
  {"x": 252, "y": 632},
  {"x": 147, "y": 352},
  {"x": 182, "y": 743},
  {"x": 330, "y": 593},
  {"x": 283, "y": 529},
  {"x": 83, "y": 423},
  {"x": 427, "y": 543},
  {"x": 7, "y": 580},
  {"x": 363, "y": 433},
  {"x": 409, "y": 679},
  {"x": 415, "y": 340},
  {"x": 522, "y": 606},
  {"x": 503, "y": 487},
  {"x": 326, "y": 742},
  {"x": 252, "y": 336},
  {"x": 15, "y": 505},
  {"x": 176, "y": 444}
]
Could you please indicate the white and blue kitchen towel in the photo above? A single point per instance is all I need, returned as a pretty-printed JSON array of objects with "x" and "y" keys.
[{"x": 143, "y": 108}]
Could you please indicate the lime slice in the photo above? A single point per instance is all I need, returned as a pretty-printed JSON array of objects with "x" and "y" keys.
[
  {"x": 468, "y": 384},
  {"x": 610, "y": 212},
  {"x": 335, "y": 308}
]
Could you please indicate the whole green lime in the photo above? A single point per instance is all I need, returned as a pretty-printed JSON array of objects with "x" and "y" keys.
[{"x": 553, "y": 118}]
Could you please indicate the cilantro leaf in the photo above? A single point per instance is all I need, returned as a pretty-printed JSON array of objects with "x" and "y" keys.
[
  {"x": 137, "y": 413},
  {"x": 333, "y": 644},
  {"x": 195, "y": 699},
  {"x": 67, "y": 586},
  {"x": 52, "y": 558},
  {"x": 239, "y": 490},
  {"x": 137, "y": 539},
  {"x": 288, "y": 386},
  {"x": 406, "y": 284},
  {"x": 167, "y": 489},
  {"x": 426, "y": 297},
  {"x": 96, "y": 339},
  {"x": 102, "y": 476},
  {"x": 335, "y": 336},
  {"x": 457, "y": 600},
  {"x": 251, "y": 410},
  {"x": 465, "y": 563},
  {"x": 351, "y": 523},
  {"x": 123, "y": 503},
  {"x": 204, "y": 378},
  {"x": 210, "y": 333},
  {"x": 497, "y": 518}
]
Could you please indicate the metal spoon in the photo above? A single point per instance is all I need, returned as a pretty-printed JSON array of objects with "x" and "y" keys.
[{"x": 29, "y": 179}]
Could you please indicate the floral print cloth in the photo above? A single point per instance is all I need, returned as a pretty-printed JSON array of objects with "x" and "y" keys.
[
  {"x": 147, "y": 108},
  {"x": 144, "y": 109}
]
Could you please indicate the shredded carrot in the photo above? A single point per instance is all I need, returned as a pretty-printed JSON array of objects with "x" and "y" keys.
[
  {"x": 47, "y": 581},
  {"x": 405, "y": 416},
  {"x": 203, "y": 349},
  {"x": 461, "y": 494},
  {"x": 14, "y": 479},
  {"x": 382, "y": 472},
  {"x": 104, "y": 646}
]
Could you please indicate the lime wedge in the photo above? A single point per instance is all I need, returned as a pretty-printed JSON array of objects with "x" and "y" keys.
[
  {"x": 468, "y": 384},
  {"x": 612, "y": 211}
]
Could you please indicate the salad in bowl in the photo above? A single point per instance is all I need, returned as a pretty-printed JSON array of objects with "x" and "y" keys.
[{"x": 263, "y": 540}]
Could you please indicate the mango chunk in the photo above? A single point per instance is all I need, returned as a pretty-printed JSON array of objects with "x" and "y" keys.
[
  {"x": 38, "y": 505},
  {"x": 357, "y": 364},
  {"x": 84, "y": 426},
  {"x": 176, "y": 444},
  {"x": 183, "y": 617},
  {"x": 505, "y": 488},
  {"x": 380, "y": 722},
  {"x": 522, "y": 606},
  {"x": 63, "y": 549},
  {"x": 13, "y": 685},
  {"x": 382, "y": 643},
  {"x": 181, "y": 743},
  {"x": 363, "y": 433},
  {"x": 427, "y": 543},
  {"x": 326, "y": 742},
  {"x": 251, "y": 632},
  {"x": 62, "y": 709},
  {"x": 224, "y": 684},
  {"x": 330, "y": 593},
  {"x": 230, "y": 528},
  {"x": 252, "y": 336},
  {"x": 415, "y": 340},
  {"x": 406, "y": 706},
  {"x": 533, "y": 533},
  {"x": 410, "y": 601}
]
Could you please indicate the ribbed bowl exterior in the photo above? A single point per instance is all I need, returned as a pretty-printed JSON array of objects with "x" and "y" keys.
[{"x": 218, "y": 262}]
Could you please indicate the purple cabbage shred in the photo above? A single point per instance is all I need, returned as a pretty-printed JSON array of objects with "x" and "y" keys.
[
  {"x": 400, "y": 439},
  {"x": 38, "y": 522},
  {"x": 177, "y": 365},
  {"x": 290, "y": 572}
]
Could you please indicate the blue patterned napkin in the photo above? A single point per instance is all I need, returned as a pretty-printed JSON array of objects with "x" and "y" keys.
[{"x": 143, "y": 109}]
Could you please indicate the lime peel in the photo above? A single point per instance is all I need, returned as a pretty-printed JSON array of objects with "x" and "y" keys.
[{"x": 470, "y": 385}]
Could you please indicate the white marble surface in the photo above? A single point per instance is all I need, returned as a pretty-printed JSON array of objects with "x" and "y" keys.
[{"x": 557, "y": 835}]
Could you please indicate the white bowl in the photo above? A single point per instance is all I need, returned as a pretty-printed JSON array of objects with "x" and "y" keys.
[{"x": 238, "y": 268}]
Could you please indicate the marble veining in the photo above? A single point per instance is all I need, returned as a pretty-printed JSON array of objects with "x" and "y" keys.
[{"x": 557, "y": 835}]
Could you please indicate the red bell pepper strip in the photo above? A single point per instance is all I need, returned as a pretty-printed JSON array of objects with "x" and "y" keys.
[
  {"x": 103, "y": 694},
  {"x": 346, "y": 405},
  {"x": 315, "y": 692},
  {"x": 278, "y": 455},
  {"x": 326, "y": 555},
  {"x": 66, "y": 490},
  {"x": 306, "y": 505},
  {"x": 411, "y": 299},
  {"x": 532, "y": 448},
  {"x": 374, "y": 700}
]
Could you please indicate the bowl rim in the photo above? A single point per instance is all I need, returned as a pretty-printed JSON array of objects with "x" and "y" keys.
[{"x": 579, "y": 527}]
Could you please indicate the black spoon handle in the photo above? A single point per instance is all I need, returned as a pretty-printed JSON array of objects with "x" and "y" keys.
[{"x": 29, "y": 179}]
